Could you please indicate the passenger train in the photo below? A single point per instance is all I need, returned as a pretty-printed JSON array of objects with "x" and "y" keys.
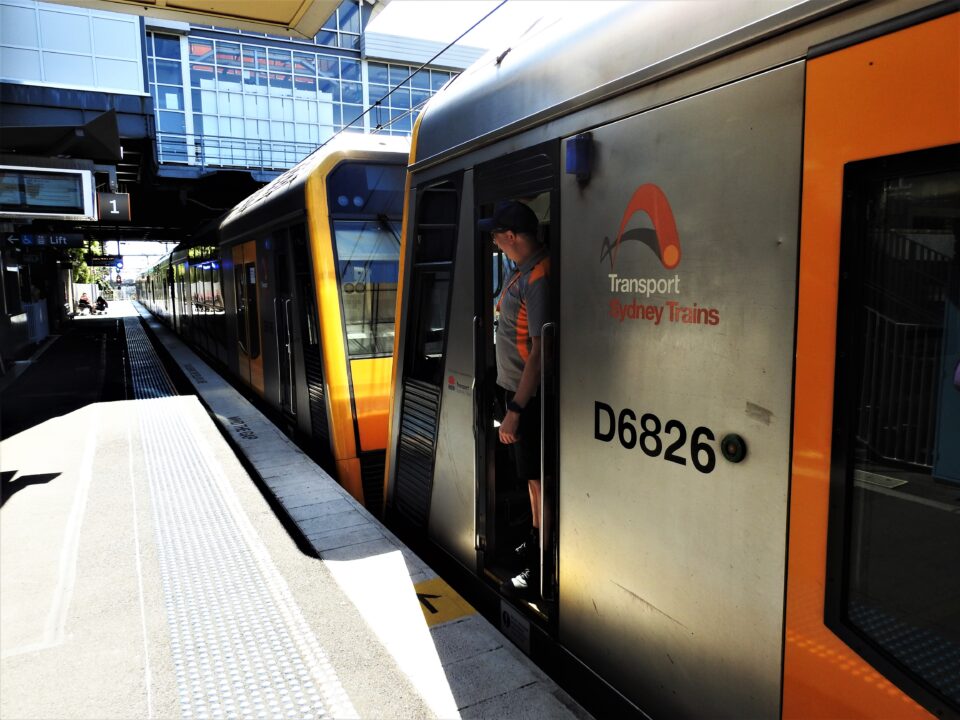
[
  {"x": 294, "y": 292},
  {"x": 750, "y": 382}
]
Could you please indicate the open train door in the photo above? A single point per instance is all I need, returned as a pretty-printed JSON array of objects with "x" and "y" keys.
[
  {"x": 530, "y": 176},
  {"x": 873, "y": 590}
]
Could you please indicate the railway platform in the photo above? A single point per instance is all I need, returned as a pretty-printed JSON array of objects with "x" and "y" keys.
[{"x": 168, "y": 552}]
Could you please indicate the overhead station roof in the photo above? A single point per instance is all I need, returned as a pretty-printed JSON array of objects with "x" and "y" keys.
[{"x": 297, "y": 18}]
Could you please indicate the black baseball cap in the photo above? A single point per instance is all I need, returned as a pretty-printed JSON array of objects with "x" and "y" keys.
[{"x": 511, "y": 215}]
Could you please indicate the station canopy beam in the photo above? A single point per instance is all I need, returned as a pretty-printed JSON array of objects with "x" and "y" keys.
[{"x": 296, "y": 18}]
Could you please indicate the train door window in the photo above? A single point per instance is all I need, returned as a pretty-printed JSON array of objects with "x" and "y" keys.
[
  {"x": 253, "y": 317},
  {"x": 239, "y": 289},
  {"x": 893, "y": 590},
  {"x": 436, "y": 236},
  {"x": 368, "y": 258}
]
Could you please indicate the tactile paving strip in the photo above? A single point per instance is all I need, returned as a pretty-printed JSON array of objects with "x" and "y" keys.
[{"x": 241, "y": 647}]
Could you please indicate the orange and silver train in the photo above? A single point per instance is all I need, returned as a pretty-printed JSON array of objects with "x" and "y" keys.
[
  {"x": 294, "y": 292},
  {"x": 750, "y": 385}
]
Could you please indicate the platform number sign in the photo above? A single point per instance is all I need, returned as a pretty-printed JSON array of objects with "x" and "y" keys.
[{"x": 114, "y": 207}]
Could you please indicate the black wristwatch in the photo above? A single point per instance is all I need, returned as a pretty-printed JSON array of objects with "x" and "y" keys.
[{"x": 511, "y": 405}]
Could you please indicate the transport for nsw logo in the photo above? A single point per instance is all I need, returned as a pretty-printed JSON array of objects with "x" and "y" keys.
[
  {"x": 646, "y": 298},
  {"x": 662, "y": 239}
]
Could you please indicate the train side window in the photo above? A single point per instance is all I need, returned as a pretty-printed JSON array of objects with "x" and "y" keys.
[
  {"x": 893, "y": 590},
  {"x": 436, "y": 237},
  {"x": 241, "y": 306},
  {"x": 252, "y": 313}
]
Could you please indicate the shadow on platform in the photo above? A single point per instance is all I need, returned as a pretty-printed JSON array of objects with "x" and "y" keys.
[
  {"x": 86, "y": 364},
  {"x": 9, "y": 487}
]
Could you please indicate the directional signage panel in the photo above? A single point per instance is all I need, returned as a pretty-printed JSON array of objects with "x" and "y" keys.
[{"x": 39, "y": 240}]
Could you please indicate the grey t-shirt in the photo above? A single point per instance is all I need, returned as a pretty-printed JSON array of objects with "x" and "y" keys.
[{"x": 523, "y": 306}]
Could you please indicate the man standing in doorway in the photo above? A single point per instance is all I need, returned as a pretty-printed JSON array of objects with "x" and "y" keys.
[{"x": 523, "y": 309}]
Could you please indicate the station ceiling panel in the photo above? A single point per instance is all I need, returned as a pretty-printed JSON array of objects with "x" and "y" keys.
[{"x": 297, "y": 18}]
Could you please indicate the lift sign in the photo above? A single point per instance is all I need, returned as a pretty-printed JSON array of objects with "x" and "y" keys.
[{"x": 651, "y": 433}]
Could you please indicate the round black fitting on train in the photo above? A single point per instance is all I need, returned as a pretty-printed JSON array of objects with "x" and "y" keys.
[{"x": 733, "y": 447}]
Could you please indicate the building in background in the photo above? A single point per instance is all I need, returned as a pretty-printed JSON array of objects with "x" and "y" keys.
[{"x": 116, "y": 127}]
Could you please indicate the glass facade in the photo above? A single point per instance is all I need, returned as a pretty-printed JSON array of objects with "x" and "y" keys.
[
  {"x": 398, "y": 110},
  {"x": 238, "y": 99}
]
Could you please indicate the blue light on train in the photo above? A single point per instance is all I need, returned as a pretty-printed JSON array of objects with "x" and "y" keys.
[
  {"x": 343, "y": 200},
  {"x": 357, "y": 201},
  {"x": 580, "y": 156}
]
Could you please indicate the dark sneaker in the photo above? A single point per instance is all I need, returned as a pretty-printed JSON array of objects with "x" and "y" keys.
[{"x": 526, "y": 585}]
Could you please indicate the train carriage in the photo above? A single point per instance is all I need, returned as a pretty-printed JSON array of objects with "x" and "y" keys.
[
  {"x": 750, "y": 383},
  {"x": 294, "y": 291}
]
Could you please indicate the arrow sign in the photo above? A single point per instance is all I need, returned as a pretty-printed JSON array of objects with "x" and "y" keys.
[{"x": 425, "y": 599}]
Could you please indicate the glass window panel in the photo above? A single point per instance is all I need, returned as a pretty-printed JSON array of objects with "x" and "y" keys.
[
  {"x": 168, "y": 71},
  {"x": 327, "y": 66},
  {"x": 326, "y": 37},
  {"x": 151, "y": 75},
  {"x": 352, "y": 92},
  {"x": 173, "y": 122},
  {"x": 196, "y": 97},
  {"x": 398, "y": 73},
  {"x": 228, "y": 53},
  {"x": 304, "y": 63},
  {"x": 301, "y": 111},
  {"x": 403, "y": 125},
  {"x": 201, "y": 76},
  {"x": 305, "y": 86},
  {"x": 418, "y": 97},
  {"x": 350, "y": 69},
  {"x": 421, "y": 80},
  {"x": 280, "y": 61},
  {"x": 438, "y": 78},
  {"x": 349, "y": 17},
  {"x": 169, "y": 98},
  {"x": 254, "y": 57},
  {"x": 229, "y": 77},
  {"x": 167, "y": 46},
  {"x": 351, "y": 113},
  {"x": 201, "y": 50},
  {"x": 378, "y": 73},
  {"x": 281, "y": 82},
  {"x": 350, "y": 41},
  {"x": 331, "y": 88},
  {"x": 900, "y": 307},
  {"x": 302, "y": 133},
  {"x": 400, "y": 98}
]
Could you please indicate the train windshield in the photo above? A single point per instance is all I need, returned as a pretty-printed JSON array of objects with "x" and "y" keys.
[{"x": 368, "y": 257}]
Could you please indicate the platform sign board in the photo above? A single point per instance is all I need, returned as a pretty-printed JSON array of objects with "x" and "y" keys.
[
  {"x": 103, "y": 260},
  {"x": 40, "y": 240},
  {"x": 113, "y": 207}
]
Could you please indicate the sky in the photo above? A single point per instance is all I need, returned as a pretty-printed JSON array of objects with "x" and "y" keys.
[{"x": 445, "y": 20}]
